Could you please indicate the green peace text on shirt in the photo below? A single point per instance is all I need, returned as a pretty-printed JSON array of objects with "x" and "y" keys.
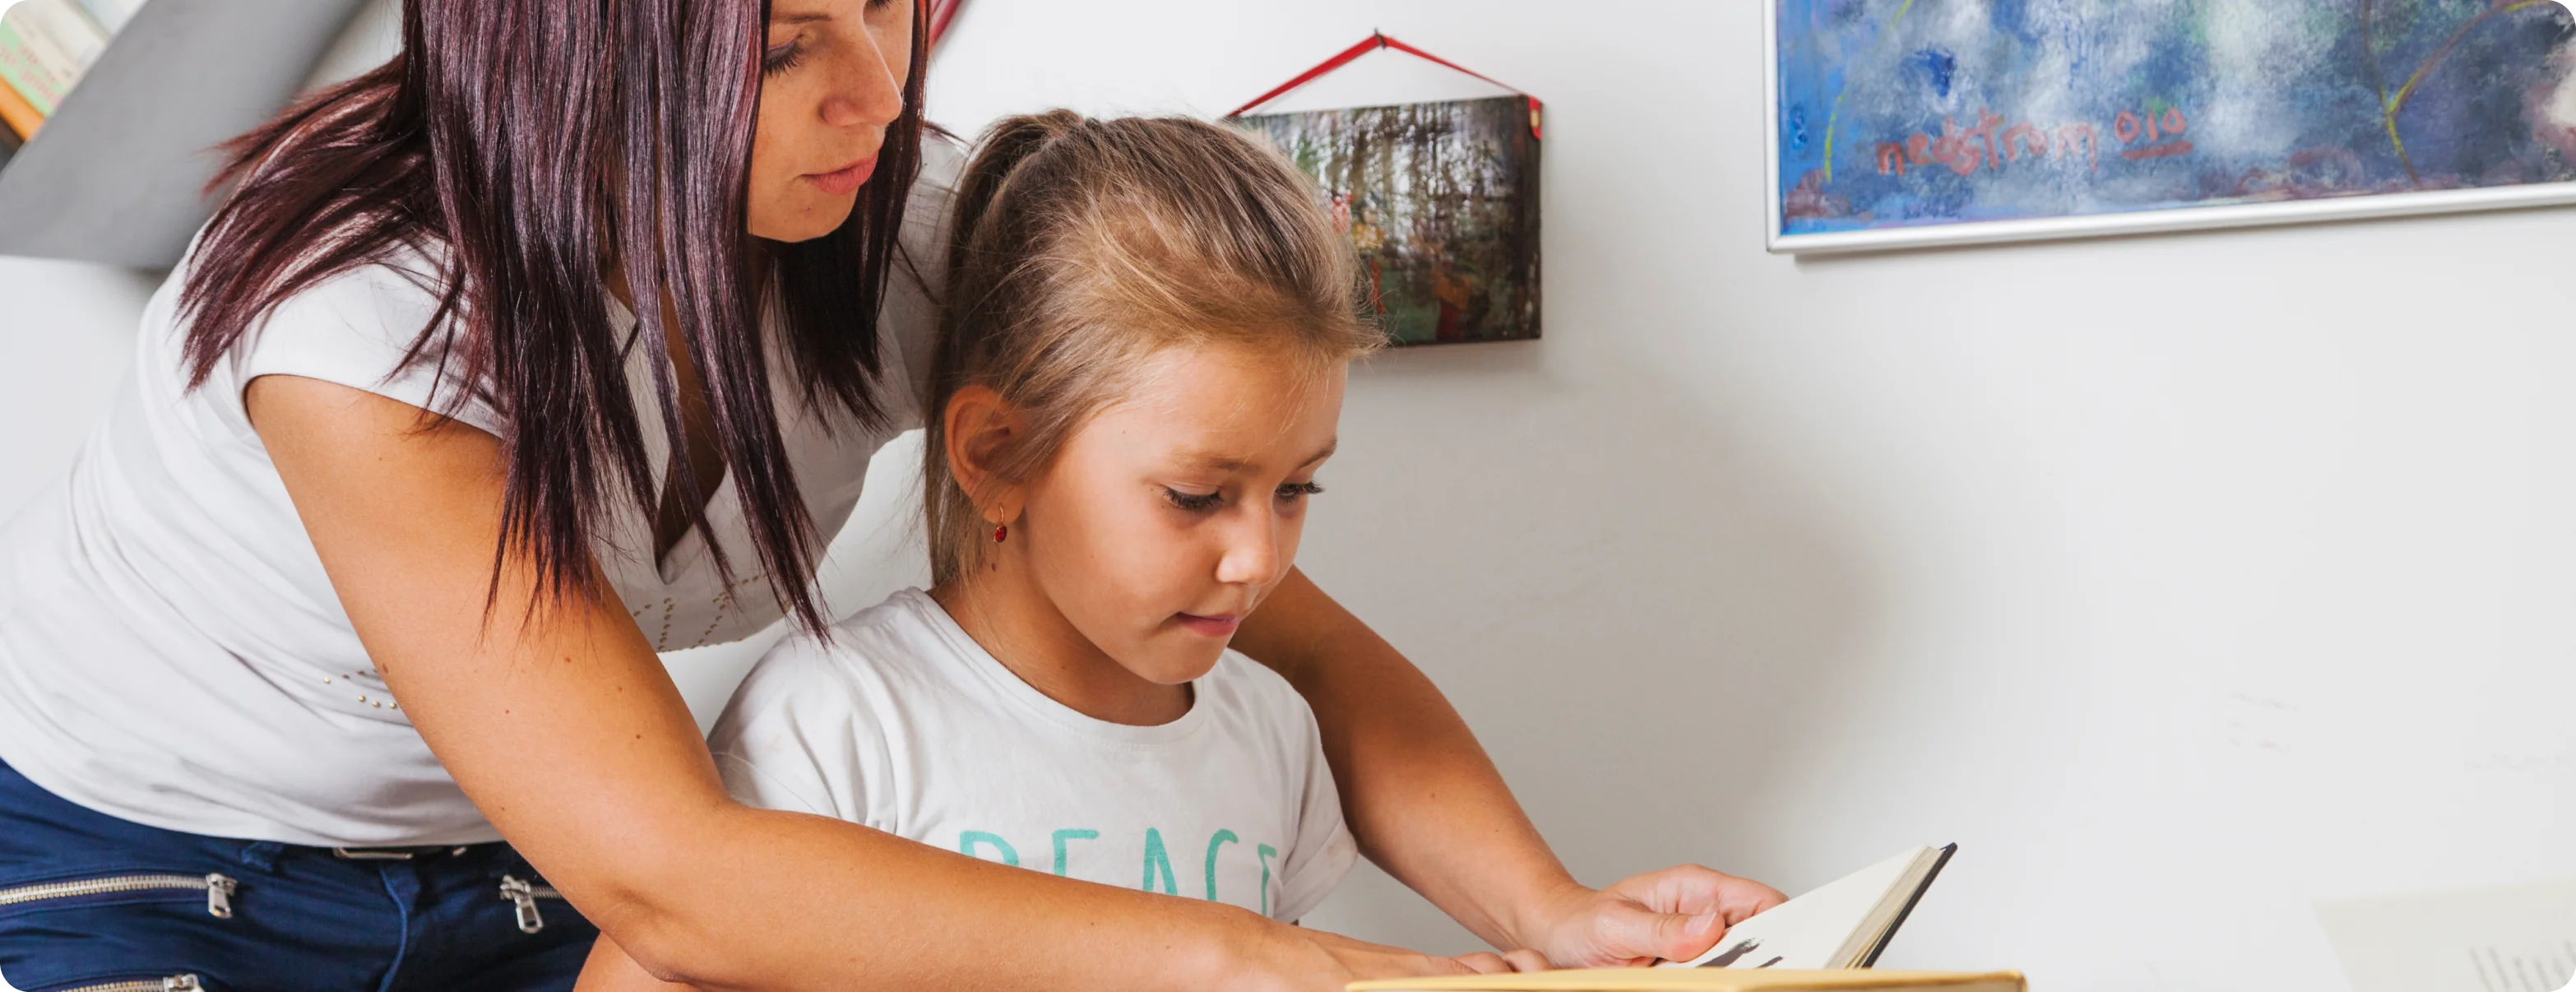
[{"x": 1158, "y": 861}]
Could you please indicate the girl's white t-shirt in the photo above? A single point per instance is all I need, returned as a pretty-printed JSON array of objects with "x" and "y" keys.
[
  {"x": 904, "y": 724},
  {"x": 171, "y": 651}
]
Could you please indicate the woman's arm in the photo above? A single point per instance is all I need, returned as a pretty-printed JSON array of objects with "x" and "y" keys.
[
  {"x": 610, "y": 970},
  {"x": 559, "y": 722},
  {"x": 1428, "y": 806}
]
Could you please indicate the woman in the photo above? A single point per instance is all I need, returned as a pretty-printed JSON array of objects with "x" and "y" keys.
[{"x": 475, "y": 395}]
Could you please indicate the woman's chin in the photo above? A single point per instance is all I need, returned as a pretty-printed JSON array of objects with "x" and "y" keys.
[{"x": 807, "y": 221}]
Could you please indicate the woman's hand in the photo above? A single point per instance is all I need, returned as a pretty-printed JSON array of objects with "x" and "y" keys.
[
  {"x": 1675, "y": 914},
  {"x": 1324, "y": 962}
]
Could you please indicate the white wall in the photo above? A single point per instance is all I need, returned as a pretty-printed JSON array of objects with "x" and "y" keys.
[{"x": 2184, "y": 581}]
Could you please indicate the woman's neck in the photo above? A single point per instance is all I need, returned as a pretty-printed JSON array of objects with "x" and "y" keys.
[{"x": 1019, "y": 626}]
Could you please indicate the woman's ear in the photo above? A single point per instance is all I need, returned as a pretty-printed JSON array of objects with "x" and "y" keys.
[{"x": 980, "y": 428}]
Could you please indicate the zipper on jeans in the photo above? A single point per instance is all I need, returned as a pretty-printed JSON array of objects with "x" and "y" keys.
[
  {"x": 174, "y": 983},
  {"x": 218, "y": 888},
  {"x": 524, "y": 895}
]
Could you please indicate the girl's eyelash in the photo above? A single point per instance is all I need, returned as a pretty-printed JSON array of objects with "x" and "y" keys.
[
  {"x": 1193, "y": 502},
  {"x": 1203, "y": 502},
  {"x": 782, "y": 58}
]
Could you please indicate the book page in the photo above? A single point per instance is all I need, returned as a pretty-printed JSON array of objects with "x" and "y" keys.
[
  {"x": 2520, "y": 939},
  {"x": 1808, "y": 931}
]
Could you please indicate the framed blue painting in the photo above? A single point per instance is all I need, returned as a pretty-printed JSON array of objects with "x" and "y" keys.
[{"x": 1905, "y": 123}]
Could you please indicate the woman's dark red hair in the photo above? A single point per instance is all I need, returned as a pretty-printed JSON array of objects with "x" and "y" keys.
[{"x": 530, "y": 148}]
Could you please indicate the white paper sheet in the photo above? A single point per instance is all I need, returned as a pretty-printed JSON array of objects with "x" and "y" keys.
[{"x": 2519, "y": 939}]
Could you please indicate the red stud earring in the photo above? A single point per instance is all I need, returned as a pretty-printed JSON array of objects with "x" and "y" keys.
[{"x": 1001, "y": 531}]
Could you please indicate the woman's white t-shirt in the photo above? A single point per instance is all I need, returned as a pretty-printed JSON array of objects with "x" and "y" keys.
[
  {"x": 904, "y": 724},
  {"x": 171, "y": 651}
]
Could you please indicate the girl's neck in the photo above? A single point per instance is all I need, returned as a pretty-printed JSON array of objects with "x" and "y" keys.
[{"x": 1020, "y": 627}]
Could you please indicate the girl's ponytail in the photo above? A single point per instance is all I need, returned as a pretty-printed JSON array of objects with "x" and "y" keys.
[{"x": 1007, "y": 144}]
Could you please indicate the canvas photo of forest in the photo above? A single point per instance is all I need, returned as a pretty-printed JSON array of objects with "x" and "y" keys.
[
  {"x": 1903, "y": 113},
  {"x": 1441, "y": 200}
]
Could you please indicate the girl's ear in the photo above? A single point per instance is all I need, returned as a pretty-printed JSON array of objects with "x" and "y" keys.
[{"x": 980, "y": 428}]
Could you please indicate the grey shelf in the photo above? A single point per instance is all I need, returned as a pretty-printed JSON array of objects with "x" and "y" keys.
[{"x": 118, "y": 173}]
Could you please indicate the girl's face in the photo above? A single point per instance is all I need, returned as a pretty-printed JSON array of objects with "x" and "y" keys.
[
  {"x": 832, "y": 80},
  {"x": 1168, "y": 517}
]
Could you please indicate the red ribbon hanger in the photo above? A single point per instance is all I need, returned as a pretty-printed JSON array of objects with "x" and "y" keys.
[
  {"x": 941, "y": 12},
  {"x": 1375, "y": 41}
]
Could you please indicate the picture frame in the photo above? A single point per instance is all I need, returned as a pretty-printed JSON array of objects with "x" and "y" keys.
[{"x": 1786, "y": 236}]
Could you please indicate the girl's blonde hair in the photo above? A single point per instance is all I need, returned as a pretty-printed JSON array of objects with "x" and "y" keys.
[{"x": 1080, "y": 248}]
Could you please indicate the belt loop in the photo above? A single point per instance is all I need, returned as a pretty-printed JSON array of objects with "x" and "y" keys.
[{"x": 262, "y": 854}]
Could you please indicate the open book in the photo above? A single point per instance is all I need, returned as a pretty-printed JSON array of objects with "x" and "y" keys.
[
  {"x": 1842, "y": 925},
  {"x": 1818, "y": 941}
]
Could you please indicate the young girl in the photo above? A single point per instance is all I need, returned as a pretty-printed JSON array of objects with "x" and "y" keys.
[
  {"x": 1147, "y": 331},
  {"x": 1140, "y": 374}
]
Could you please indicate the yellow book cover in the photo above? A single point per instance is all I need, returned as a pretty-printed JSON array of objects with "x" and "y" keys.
[
  {"x": 1708, "y": 980},
  {"x": 20, "y": 116}
]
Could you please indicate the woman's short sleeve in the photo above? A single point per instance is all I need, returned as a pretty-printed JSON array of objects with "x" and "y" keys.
[{"x": 358, "y": 329}]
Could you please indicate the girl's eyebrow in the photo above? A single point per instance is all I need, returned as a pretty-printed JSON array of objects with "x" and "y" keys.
[
  {"x": 805, "y": 18},
  {"x": 1228, "y": 463}
]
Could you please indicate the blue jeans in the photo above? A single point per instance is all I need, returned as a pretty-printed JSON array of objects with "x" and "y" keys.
[{"x": 88, "y": 899}]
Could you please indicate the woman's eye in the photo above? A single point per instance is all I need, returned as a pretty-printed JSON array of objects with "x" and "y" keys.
[
  {"x": 780, "y": 58},
  {"x": 1194, "y": 502},
  {"x": 1295, "y": 491}
]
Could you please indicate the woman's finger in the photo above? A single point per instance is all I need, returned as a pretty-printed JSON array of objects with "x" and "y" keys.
[{"x": 1696, "y": 889}]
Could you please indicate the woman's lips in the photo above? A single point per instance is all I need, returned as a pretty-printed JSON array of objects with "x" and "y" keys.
[
  {"x": 1211, "y": 626},
  {"x": 845, "y": 181}
]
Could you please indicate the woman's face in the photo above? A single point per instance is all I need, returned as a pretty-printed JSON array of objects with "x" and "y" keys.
[{"x": 832, "y": 80}]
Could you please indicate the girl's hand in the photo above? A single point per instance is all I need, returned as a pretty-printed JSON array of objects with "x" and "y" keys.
[{"x": 1675, "y": 914}]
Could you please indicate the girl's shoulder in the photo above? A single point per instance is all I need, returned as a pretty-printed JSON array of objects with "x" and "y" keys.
[
  {"x": 872, "y": 667},
  {"x": 843, "y": 687},
  {"x": 889, "y": 638}
]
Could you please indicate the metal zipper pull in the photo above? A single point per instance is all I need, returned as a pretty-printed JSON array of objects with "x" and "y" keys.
[
  {"x": 188, "y": 983},
  {"x": 523, "y": 896},
  {"x": 219, "y": 904}
]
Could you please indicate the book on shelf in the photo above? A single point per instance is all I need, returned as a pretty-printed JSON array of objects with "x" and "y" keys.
[
  {"x": 45, "y": 45},
  {"x": 111, "y": 14},
  {"x": 18, "y": 117},
  {"x": 1708, "y": 980}
]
